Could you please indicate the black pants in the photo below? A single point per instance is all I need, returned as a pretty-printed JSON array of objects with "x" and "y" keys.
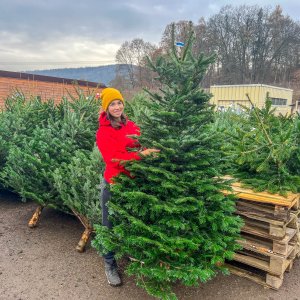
[{"x": 105, "y": 196}]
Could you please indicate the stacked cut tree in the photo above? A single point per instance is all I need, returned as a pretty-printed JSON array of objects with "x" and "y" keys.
[{"x": 270, "y": 235}]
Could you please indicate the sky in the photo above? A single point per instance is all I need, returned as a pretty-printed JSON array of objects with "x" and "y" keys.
[{"x": 39, "y": 34}]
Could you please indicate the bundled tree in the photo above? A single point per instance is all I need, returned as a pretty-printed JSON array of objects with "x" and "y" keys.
[
  {"x": 263, "y": 150},
  {"x": 31, "y": 163},
  {"x": 77, "y": 183},
  {"x": 29, "y": 167},
  {"x": 19, "y": 119},
  {"x": 170, "y": 217}
]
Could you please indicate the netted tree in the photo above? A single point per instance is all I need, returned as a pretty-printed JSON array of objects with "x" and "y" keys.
[
  {"x": 18, "y": 120},
  {"x": 78, "y": 186},
  {"x": 31, "y": 162},
  {"x": 264, "y": 151}
]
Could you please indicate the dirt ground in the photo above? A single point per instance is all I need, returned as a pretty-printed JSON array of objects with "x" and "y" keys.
[{"x": 42, "y": 263}]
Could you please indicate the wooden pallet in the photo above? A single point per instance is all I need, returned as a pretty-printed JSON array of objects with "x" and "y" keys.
[
  {"x": 258, "y": 276},
  {"x": 273, "y": 264},
  {"x": 275, "y": 228},
  {"x": 270, "y": 236},
  {"x": 264, "y": 210},
  {"x": 252, "y": 240},
  {"x": 264, "y": 229}
]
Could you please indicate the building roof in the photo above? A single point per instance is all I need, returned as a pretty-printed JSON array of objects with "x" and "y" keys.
[
  {"x": 27, "y": 76},
  {"x": 249, "y": 85}
]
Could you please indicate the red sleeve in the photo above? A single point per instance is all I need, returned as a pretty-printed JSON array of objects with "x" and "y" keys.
[{"x": 110, "y": 149}]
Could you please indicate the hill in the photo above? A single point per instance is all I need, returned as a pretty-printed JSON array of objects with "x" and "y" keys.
[{"x": 100, "y": 74}]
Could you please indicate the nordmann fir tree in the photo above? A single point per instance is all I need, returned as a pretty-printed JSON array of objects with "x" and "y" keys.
[
  {"x": 264, "y": 150},
  {"x": 19, "y": 119},
  {"x": 77, "y": 183},
  {"x": 170, "y": 218},
  {"x": 30, "y": 164}
]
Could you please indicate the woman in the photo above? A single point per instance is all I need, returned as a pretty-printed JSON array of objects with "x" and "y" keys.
[{"x": 113, "y": 140}]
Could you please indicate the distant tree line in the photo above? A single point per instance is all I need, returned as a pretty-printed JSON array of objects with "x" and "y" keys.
[{"x": 251, "y": 44}]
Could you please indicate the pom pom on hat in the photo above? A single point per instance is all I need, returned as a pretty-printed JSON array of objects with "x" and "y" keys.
[{"x": 108, "y": 95}]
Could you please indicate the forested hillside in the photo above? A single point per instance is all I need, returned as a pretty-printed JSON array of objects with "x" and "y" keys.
[{"x": 101, "y": 74}]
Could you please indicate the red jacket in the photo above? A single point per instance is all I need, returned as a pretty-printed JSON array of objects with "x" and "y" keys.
[{"x": 114, "y": 144}]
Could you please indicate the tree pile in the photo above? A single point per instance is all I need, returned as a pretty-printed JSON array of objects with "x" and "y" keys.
[
  {"x": 49, "y": 155},
  {"x": 264, "y": 150},
  {"x": 18, "y": 121}
]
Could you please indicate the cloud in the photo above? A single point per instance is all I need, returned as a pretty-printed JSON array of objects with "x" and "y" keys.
[
  {"x": 92, "y": 30},
  {"x": 70, "y": 51}
]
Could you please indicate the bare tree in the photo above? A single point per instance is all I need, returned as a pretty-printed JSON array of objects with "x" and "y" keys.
[
  {"x": 285, "y": 45},
  {"x": 132, "y": 63},
  {"x": 253, "y": 44}
]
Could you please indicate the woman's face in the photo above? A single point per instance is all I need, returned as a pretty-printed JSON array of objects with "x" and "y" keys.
[{"x": 116, "y": 108}]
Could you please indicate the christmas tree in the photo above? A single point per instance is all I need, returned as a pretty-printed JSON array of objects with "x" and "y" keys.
[
  {"x": 263, "y": 151},
  {"x": 32, "y": 160},
  {"x": 19, "y": 119},
  {"x": 170, "y": 218},
  {"x": 78, "y": 184}
]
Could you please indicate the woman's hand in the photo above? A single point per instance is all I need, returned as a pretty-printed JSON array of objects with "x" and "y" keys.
[
  {"x": 149, "y": 151},
  {"x": 144, "y": 153}
]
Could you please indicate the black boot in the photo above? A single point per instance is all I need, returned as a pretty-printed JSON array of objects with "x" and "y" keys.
[{"x": 111, "y": 272}]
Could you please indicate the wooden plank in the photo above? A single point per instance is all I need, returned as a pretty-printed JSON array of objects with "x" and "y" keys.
[
  {"x": 296, "y": 206},
  {"x": 264, "y": 232},
  {"x": 276, "y": 212},
  {"x": 252, "y": 261},
  {"x": 242, "y": 194},
  {"x": 265, "y": 248},
  {"x": 266, "y": 196},
  {"x": 254, "y": 254},
  {"x": 292, "y": 220},
  {"x": 295, "y": 252},
  {"x": 257, "y": 275},
  {"x": 294, "y": 223},
  {"x": 276, "y": 265},
  {"x": 264, "y": 228},
  {"x": 289, "y": 201},
  {"x": 274, "y": 282},
  {"x": 260, "y": 218},
  {"x": 277, "y": 231},
  {"x": 268, "y": 244},
  {"x": 254, "y": 212},
  {"x": 251, "y": 276},
  {"x": 281, "y": 246}
]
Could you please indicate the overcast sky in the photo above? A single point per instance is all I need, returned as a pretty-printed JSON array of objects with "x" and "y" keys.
[{"x": 48, "y": 34}]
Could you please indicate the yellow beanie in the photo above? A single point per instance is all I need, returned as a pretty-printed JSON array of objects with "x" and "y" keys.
[{"x": 108, "y": 95}]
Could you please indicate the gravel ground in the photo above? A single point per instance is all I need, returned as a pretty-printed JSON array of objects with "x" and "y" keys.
[{"x": 42, "y": 263}]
